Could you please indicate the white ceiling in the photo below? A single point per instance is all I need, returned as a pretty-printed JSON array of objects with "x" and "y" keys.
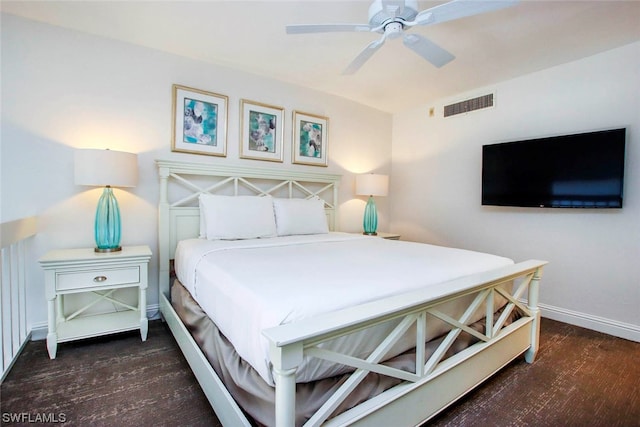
[{"x": 250, "y": 35}]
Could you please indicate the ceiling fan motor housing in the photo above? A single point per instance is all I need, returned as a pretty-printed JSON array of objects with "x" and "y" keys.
[{"x": 378, "y": 14}]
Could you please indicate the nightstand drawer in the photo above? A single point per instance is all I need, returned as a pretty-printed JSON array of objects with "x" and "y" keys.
[{"x": 97, "y": 278}]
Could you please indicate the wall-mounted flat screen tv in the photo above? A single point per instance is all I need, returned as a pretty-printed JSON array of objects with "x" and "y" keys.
[{"x": 584, "y": 170}]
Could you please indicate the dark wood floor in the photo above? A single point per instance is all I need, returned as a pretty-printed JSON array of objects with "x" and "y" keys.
[{"x": 580, "y": 378}]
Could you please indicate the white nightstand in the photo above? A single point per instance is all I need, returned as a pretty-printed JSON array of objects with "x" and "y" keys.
[{"x": 70, "y": 271}]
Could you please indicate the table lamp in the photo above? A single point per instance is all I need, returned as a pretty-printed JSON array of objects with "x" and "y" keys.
[
  {"x": 106, "y": 168},
  {"x": 371, "y": 185}
]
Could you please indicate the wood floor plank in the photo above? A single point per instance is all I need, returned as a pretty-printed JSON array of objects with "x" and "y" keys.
[
  {"x": 580, "y": 378},
  {"x": 108, "y": 381}
]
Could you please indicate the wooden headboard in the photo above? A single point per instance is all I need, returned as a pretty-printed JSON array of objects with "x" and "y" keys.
[{"x": 181, "y": 183}]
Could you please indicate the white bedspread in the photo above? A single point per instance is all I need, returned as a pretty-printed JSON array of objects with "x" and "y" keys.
[{"x": 246, "y": 286}]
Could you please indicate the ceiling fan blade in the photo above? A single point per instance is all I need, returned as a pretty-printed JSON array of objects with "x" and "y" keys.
[
  {"x": 326, "y": 28},
  {"x": 364, "y": 56},
  {"x": 427, "y": 49},
  {"x": 456, "y": 9}
]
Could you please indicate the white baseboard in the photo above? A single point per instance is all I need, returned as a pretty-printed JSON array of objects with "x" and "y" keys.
[
  {"x": 596, "y": 323},
  {"x": 39, "y": 330}
]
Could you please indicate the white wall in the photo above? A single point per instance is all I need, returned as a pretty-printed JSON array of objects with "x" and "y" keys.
[
  {"x": 63, "y": 90},
  {"x": 593, "y": 277}
]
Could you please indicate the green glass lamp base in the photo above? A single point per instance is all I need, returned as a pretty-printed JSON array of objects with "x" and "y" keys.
[
  {"x": 370, "y": 221},
  {"x": 107, "y": 225}
]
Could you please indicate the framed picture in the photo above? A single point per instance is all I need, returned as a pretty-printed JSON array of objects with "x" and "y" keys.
[
  {"x": 261, "y": 128},
  {"x": 199, "y": 122},
  {"x": 310, "y": 139}
]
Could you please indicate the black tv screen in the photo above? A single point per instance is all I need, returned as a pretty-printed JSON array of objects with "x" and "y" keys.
[{"x": 583, "y": 170}]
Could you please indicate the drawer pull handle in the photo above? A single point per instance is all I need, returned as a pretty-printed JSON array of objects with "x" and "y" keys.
[{"x": 99, "y": 279}]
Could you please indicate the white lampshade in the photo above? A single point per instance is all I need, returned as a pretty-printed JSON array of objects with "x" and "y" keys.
[
  {"x": 372, "y": 184},
  {"x": 105, "y": 167}
]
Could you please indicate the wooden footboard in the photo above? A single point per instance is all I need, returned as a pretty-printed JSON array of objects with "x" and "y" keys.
[{"x": 436, "y": 382}]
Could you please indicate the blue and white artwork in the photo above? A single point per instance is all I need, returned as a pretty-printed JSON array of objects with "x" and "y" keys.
[
  {"x": 200, "y": 122},
  {"x": 310, "y": 139},
  {"x": 262, "y": 131}
]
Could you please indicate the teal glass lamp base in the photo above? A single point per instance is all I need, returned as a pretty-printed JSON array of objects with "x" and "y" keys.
[
  {"x": 107, "y": 225},
  {"x": 370, "y": 221}
]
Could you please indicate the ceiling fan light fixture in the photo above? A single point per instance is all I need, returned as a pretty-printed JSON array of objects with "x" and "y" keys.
[{"x": 393, "y": 30}]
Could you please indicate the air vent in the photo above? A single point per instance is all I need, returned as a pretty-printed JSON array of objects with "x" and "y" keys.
[{"x": 484, "y": 101}]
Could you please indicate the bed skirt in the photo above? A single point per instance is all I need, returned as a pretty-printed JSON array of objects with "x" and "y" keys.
[{"x": 257, "y": 398}]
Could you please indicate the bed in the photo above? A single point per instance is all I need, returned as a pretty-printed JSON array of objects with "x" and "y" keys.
[{"x": 291, "y": 343}]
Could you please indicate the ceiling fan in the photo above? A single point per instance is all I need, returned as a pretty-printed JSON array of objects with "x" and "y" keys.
[{"x": 391, "y": 17}]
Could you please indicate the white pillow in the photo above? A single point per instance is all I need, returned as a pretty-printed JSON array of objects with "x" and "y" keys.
[
  {"x": 237, "y": 217},
  {"x": 300, "y": 216}
]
